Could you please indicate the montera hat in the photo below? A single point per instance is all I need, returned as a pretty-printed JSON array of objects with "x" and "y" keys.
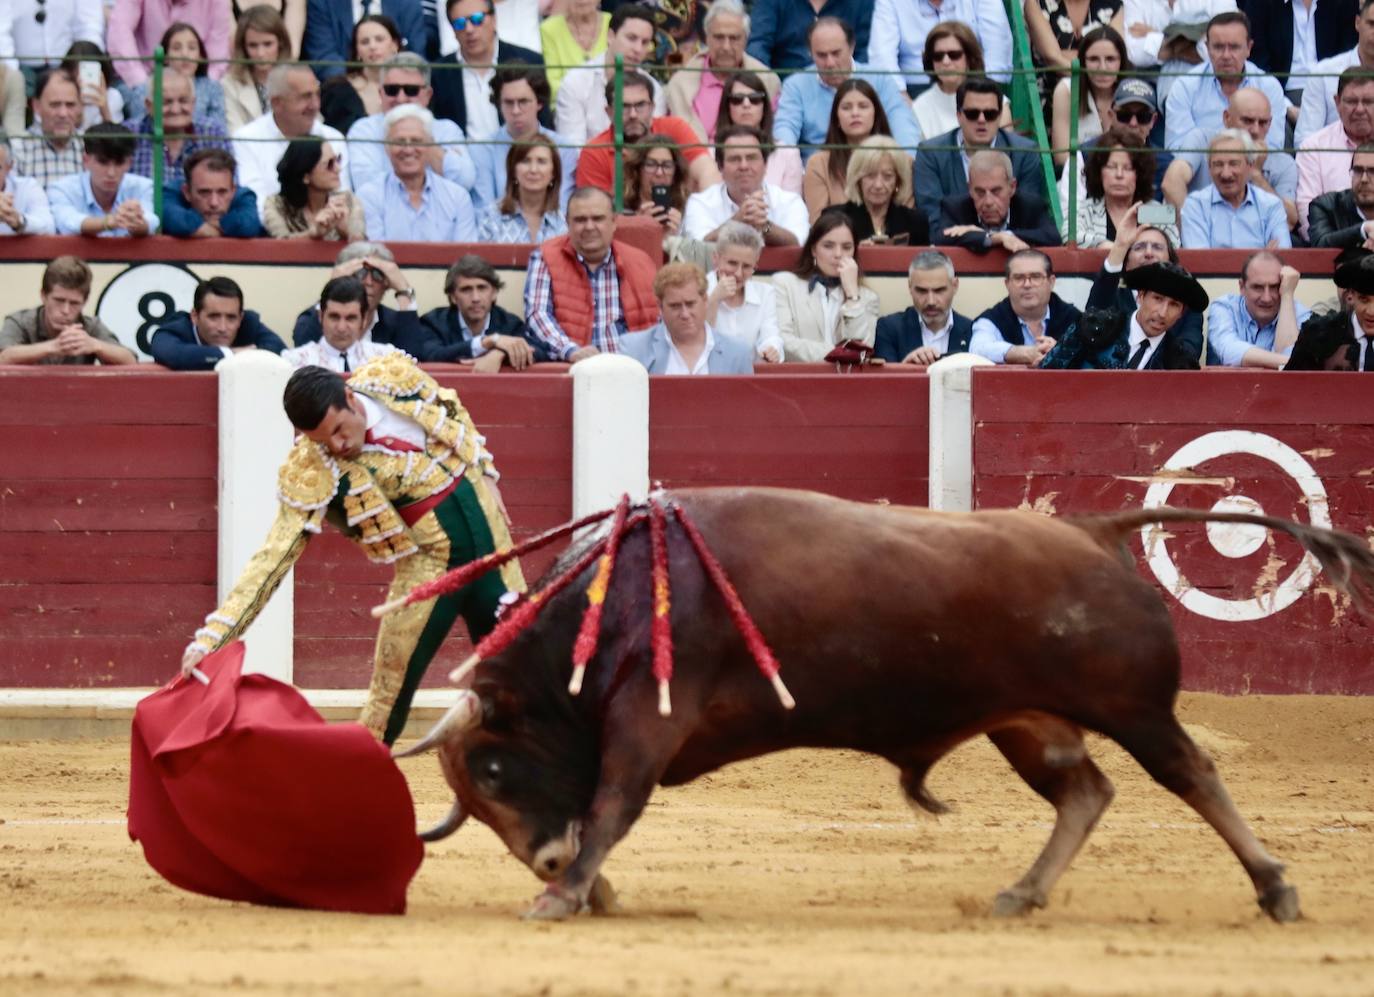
[
  {"x": 1357, "y": 275},
  {"x": 1170, "y": 280}
]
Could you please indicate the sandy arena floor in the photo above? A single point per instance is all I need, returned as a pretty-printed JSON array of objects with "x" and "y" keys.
[{"x": 802, "y": 873}]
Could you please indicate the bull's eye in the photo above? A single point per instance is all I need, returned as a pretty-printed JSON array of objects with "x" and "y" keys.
[{"x": 488, "y": 776}]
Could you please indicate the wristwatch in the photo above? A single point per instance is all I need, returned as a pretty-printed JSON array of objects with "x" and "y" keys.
[
  {"x": 409, "y": 292},
  {"x": 767, "y": 227}
]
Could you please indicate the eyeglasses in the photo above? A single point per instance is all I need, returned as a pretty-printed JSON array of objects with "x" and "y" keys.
[
  {"x": 1140, "y": 117},
  {"x": 396, "y": 89},
  {"x": 659, "y": 166},
  {"x": 639, "y": 106},
  {"x": 459, "y": 23},
  {"x": 981, "y": 113},
  {"x": 947, "y": 55},
  {"x": 740, "y": 99},
  {"x": 1028, "y": 279},
  {"x": 1362, "y": 172}
]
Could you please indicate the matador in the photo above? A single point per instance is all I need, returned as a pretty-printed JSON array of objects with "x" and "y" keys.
[{"x": 395, "y": 462}]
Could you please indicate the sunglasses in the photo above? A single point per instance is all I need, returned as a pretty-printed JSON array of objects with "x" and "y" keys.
[
  {"x": 396, "y": 89},
  {"x": 1141, "y": 117},
  {"x": 740, "y": 99},
  {"x": 981, "y": 113},
  {"x": 459, "y": 23},
  {"x": 950, "y": 55}
]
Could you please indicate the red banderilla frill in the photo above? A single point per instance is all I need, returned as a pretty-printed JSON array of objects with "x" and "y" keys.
[{"x": 584, "y": 647}]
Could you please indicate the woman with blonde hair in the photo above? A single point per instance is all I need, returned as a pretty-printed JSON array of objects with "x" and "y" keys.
[
  {"x": 262, "y": 41},
  {"x": 878, "y": 195}
]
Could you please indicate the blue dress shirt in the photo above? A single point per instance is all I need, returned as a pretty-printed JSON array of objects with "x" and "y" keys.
[
  {"x": 804, "y": 110},
  {"x": 31, "y": 202},
  {"x": 986, "y": 340},
  {"x": 489, "y": 158},
  {"x": 73, "y": 202},
  {"x": 1209, "y": 221},
  {"x": 1196, "y": 101},
  {"x": 445, "y": 213},
  {"x": 1231, "y": 330},
  {"x": 777, "y": 29},
  {"x": 239, "y": 222},
  {"x": 900, "y": 27},
  {"x": 367, "y": 158},
  {"x": 1280, "y": 169}
]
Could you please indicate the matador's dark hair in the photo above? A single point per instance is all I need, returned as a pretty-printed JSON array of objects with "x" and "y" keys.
[{"x": 310, "y": 394}]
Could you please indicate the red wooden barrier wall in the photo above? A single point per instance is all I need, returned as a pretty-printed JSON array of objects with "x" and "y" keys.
[{"x": 1065, "y": 443}]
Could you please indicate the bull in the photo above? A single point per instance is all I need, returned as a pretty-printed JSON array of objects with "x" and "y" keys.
[{"x": 902, "y": 632}]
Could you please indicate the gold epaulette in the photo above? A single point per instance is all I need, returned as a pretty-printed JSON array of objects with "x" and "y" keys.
[
  {"x": 398, "y": 377},
  {"x": 308, "y": 481}
]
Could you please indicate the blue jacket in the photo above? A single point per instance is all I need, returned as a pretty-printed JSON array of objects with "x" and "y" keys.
[
  {"x": 400, "y": 329},
  {"x": 446, "y": 77},
  {"x": 329, "y": 30},
  {"x": 940, "y": 171},
  {"x": 777, "y": 29},
  {"x": 1029, "y": 220},
  {"x": 899, "y": 334},
  {"x": 176, "y": 345},
  {"x": 446, "y": 338},
  {"x": 651, "y": 348},
  {"x": 239, "y": 222}
]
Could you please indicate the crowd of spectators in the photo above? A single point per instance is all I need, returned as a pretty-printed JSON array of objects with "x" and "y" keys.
[{"x": 365, "y": 122}]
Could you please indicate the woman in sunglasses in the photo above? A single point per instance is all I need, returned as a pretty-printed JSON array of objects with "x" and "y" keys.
[
  {"x": 311, "y": 205},
  {"x": 356, "y": 94},
  {"x": 951, "y": 55},
  {"x": 855, "y": 114},
  {"x": 746, "y": 103},
  {"x": 1103, "y": 58}
]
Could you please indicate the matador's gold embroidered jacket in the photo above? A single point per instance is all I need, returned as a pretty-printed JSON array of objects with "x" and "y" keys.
[{"x": 361, "y": 494}]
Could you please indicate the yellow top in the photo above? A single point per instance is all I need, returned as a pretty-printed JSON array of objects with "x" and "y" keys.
[{"x": 561, "y": 49}]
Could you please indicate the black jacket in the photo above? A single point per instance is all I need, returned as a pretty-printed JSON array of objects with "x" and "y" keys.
[
  {"x": 1333, "y": 221},
  {"x": 176, "y": 345},
  {"x": 1029, "y": 221},
  {"x": 1063, "y": 318},
  {"x": 899, "y": 334},
  {"x": 1325, "y": 342},
  {"x": 446, "y": 340},
  {"x": 400, "y": 329},
  {"x": 1271, "y": 28},
  {"x": 900, "y": 220},
  {"x": 446, "y": 77},
  {"x": 1182, "y": 346}
]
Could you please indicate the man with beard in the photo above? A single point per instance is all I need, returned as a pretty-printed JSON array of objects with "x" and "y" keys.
[
  {"x": 1344, "y": 219},
  {"x": 930, "y": 328}
]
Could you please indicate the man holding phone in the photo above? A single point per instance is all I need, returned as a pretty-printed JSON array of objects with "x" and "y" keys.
[{"x": 744, "y": 196}]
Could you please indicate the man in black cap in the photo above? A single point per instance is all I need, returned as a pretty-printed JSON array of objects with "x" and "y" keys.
[{"x": 1342, "y": 340}]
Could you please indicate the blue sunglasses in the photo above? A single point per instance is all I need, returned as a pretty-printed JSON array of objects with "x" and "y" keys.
[{"x": 459, "y": 23}]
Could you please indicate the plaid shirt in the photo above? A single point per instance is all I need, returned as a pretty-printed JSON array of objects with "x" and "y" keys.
[
  {"x": 608, "y": 321},
  {"x": 35, "y": 157},
  {"x": 208, "y": 135}
]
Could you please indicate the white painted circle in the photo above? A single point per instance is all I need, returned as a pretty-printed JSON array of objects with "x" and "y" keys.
[
  {"x": 1236, "y": 539},
  {"x": 1221, "y": 444},
  {"x": 141, "y": 298}
]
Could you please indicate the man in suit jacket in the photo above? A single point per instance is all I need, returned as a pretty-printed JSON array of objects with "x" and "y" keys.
[
  {"x": 1329, "y": 23},
  {"x": 374, "y": 265},
  {"x": 930, "y": 328},
  {"x": 682, "y": 343},
  {"x": 474, "y": 327},
  {"x": 1340, "y": 219},
  {"x": 477, "y": 46},
  {"x": 940, "y": 168},
  {"x": 217, "y": 327},
  {"x": 329, "y": 30},
  {"x": 994, "y": 213}
]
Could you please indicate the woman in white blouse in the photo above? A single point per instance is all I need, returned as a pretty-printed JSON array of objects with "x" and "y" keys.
[
  {"x": 743, "y": 309},
  {"x": 951, "y": 54},
  {"x": 822, "y": 301}
]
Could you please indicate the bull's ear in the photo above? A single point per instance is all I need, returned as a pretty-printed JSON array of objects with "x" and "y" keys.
[{"x": 499, "y": 707}]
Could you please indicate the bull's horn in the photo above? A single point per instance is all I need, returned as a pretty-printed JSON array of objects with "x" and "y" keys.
[
  {"x": 461, "y": 716},
  {"x": 447, "y": 826}
]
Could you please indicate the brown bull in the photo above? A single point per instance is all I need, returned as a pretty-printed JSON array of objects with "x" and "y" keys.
[{"x": 901, "y": 632}]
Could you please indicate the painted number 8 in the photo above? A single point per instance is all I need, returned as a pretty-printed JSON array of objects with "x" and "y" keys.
[{"x": 152, "y": 319}]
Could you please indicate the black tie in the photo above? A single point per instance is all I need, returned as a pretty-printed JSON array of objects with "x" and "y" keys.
[
  {"x": 1368, "y": 353},
  {"x": 367, "y": 7},
  {"x": 1138, "y": 355},
  {"x": 345, "y": 360}
]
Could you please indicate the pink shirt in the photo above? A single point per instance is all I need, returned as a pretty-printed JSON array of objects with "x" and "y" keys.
[
  {"x": 1322, "y": 172},
  {"x": 706, "y": 104},
  {"x": 136, "y": 27}
]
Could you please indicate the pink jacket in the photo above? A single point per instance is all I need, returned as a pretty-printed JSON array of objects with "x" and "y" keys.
[{"x": 136, "y": 27}]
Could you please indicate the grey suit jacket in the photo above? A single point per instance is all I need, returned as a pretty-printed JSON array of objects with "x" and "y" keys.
[
  {"x": 651, "y": 348},
  {"x": 940, "y": 170}
]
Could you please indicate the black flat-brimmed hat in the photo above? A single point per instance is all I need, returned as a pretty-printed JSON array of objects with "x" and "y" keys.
[
  {"x": 1170, "y": 280},
  {"x": 1357, "y": 275}
]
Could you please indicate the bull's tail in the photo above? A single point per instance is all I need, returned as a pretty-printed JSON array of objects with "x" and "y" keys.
[{"x": 1346, "y": 559}]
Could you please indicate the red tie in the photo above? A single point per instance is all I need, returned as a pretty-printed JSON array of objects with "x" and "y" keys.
[{"x": 390, "y": 442}]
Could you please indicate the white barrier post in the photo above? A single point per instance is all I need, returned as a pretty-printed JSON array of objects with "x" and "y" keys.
[
  {"x": 610, "y": 432},
  {"x": 254, "y": 438},
  {"x": 951, "y": 431}
]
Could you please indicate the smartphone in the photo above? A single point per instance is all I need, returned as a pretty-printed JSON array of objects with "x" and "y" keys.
[
  {"x": 1156, "y": 214},
  {"x": 89, "y": 74},
  {"x": 662, "y": 195}
]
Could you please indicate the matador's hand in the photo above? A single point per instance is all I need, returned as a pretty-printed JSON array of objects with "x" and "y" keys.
[{"x": 194, "y": 655}]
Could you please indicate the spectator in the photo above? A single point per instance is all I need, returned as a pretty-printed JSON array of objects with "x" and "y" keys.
[
  {"x": 292, "y": 13},
  {"x": 951, "y": 55},
  {"x": 737, "y": 306},
  {"x": 522, "y": 95},
  {"x": 747, "y": 103},
  {"x": 104, "y": 198},
  {"x": 803, "y": 113},
  {"x": 585, "y": 290},
  {"x": 1103, "y": 56},
  {"x": 356, "y": 93},
  {"x": 38, "y": 42},
  {"x": 1320, "y": 169},
  {"x": 139, "y": 26},
  {"x": 1057, "y": 29},
  {"x": 1319, "y": 94},
  {"x": 780, "y": 34},
  {"x": 262, "y": 37},
  {"x": 462, "y": 81},
  {"x": 473, "y": 327},
  {"x": 528, "y": 213},
  {"x": 1026, "y": 324},
  {"x": 374, "y": 266},
  {"x": 51, "y": 147},
  {"x": 1342, "y": 340},
  {"x": 1147, "y": 46},
  {"x": 329, "y": 30},
  {"x": 1133, "y": 114},
  {"x": 1117, "y": 179},
  {"x": 519, "y": 22},
  {"x": 1297, "y": 34},
  {"x": 100, "y": 96},
  {"x": 184, "y": 133},
  {"x": 216, "y": 327},
  {"x": 312, "y": 203},
  {"x": 1342, "y": 218},
  {"x": 596, "y": 164},
  {"x": 209, "y": 205},
  {"x": 930, "y": 328},
  {"x": 822, "y": 301},
  {"x": 941, "y": 162},
  {"x": 878, "y": 194},
  {"x": 1275, "y": 171},
  {"x": 1199, "y": 97},
  {"x": 582, "y": 107},
  {"x": 682, "y": 342},
  {"x": 1232, "y": 212},
  {"x": 744, "y": 195},
  {"x": 855, "y": 115},
  {"x": 577, "y": 35},
  {"x": 656, "y": 183},
  {"x": 342, "y": 345},
  {"x": 1138, "y": 245},
  {"x": 23, "y": 205},
  {"x": 56, "y": 332},
  {"x": 293, "y": 95},
  {"x": 406, "y": 80},
  {"x": 696, "y": 89},
  {"x": 186, "y": 55},
  {"x": 1258, "y": 326},
  {"x": 411, "y": 202},
  {"x": 994, "y": 213},
  {"x": 903, "y": 28}
]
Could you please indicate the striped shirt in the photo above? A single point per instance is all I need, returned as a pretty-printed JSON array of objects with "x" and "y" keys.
[
  {"x": 608, "y": 319},
  {"x": 36, "y": 157}
]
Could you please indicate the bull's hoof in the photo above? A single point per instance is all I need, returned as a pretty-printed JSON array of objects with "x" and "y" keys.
[
  {"x": 1017, "y": 902},
  {"x": 551, "y": 906},
  {"x": 1281, "y": 903},
  {"x": 602, "y": 899}
]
